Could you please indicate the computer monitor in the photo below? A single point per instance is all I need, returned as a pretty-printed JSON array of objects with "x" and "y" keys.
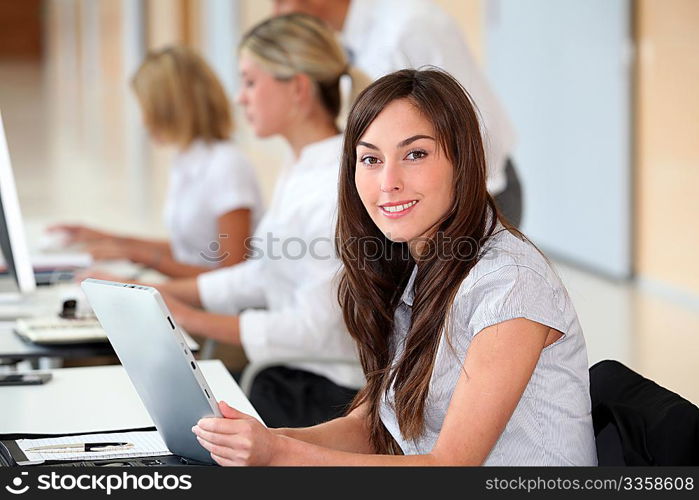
[{"x": 13, "y": 243}]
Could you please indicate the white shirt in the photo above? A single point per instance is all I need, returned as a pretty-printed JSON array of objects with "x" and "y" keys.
[
  {"x": 387, "y": 35},
  {"x": 286, "y": 297},
  {"x": 206, "y": 182}
]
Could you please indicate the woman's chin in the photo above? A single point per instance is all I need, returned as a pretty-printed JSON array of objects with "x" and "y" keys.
[
  {"x": 397, "y": 236},
  {"x": 263, "y": 133}
]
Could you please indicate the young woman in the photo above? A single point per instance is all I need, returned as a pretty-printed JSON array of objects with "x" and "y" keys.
[
  {"x": 213, "y": 202},
  {"x": 279, "y": 305},
  {"x": 471, "y": 347}
]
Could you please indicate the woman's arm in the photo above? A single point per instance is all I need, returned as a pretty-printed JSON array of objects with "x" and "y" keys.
[
  {"x": 220, "y": 327},
  {"x": 233, "y": 230},
  {"x": 83, "y": 234},
  {"x": 185, "y": 290},
  {"x": 497, "y": 368},
  {"x": 349, "y": 433},
  {"x": 239, "y": 439}
]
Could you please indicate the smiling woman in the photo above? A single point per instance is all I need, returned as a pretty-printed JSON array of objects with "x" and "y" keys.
[
  {"x": 478, "y": 335},
  {"x": 473, "y": 354}
]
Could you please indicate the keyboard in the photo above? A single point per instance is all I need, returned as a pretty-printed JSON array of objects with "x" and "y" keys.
[{"x": 57, "y": 330}]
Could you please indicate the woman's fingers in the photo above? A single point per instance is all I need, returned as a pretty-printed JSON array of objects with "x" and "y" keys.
[
  {"x": 225, "y": 462},
  {"x": 69, "y": 229},
  {"x": 230, "y": 412},
  {"x": 210, "y": 427},
  {"x": 242, "y": 441},
  {"x": 232, "y": 451},
  {"x": 235, "y": 452}
]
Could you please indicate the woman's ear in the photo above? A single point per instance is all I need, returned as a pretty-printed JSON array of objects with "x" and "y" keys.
[{"x": 302, "y": 90}]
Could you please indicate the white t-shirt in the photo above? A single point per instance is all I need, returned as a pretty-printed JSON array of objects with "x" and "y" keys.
[
  {"x": 206, "y": 182},
  {"x": 383, "y": 36},
  {"x": 285, "y": 292}
]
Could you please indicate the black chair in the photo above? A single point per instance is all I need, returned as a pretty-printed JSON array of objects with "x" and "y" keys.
[{"x": 638, "y": 422}]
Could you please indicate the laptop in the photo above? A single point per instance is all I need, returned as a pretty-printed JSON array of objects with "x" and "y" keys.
[{"x": 155, "y": 355}]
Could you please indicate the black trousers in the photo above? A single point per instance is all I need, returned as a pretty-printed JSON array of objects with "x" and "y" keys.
[
  {"x": 288, "y": 397},
  {"x": 509, "y": 202}
]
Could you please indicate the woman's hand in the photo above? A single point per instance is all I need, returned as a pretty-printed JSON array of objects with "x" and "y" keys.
[
  {"x": 236, "y": 439},
  {"x": 76, "y": 233},
  {"x": 95, "y": 273},
  {"x": 183, "y": 314},
  {"x": 109, "y": 250},
  {"x": 115, "y": 250}
]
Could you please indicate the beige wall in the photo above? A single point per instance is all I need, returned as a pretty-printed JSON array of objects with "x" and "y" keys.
[
  {"x": 469, "y": 15},
  {"x": 667, "y": 143}
]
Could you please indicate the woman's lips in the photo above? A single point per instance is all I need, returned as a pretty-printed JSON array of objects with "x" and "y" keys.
[{"x": 395, "y": 210}]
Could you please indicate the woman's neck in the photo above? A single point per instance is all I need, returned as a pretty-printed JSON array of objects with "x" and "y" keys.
[{"x": 301, "y": 135}]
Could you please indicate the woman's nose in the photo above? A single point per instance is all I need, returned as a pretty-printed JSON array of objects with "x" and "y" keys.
[{"x": 390, "y": 179}]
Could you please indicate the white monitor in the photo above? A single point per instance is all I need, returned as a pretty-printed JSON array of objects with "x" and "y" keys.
[{"x": 15, "y": 254}]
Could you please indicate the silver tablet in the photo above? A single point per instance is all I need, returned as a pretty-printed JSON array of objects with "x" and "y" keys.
[{"x": 154, "y": 353}]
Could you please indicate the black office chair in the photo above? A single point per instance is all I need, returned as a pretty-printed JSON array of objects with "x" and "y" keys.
[{"x": 638, "y": 422}]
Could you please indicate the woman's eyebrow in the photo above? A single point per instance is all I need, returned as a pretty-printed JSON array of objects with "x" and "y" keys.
[
  {"x": 412, "y": 139},
  {"x": 367, "y": 145},
  {"x": 401, "y": 144}
]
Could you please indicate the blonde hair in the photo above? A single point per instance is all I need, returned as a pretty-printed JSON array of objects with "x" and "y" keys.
[
  {"x": 298, "y": 43},
  {"x": 181, "y": 98}
]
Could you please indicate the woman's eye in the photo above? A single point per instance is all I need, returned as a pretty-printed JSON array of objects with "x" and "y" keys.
[
  {"x": 369, "y": 160},
  {"x": 416, "y": 155}
]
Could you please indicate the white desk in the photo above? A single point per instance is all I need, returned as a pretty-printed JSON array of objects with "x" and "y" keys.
[{"x": 92, "y": 399}]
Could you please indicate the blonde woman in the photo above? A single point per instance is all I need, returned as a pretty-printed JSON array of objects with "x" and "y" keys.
[
  {"x": 280, "y": 303},
  {"x": 213, "y": 200}
]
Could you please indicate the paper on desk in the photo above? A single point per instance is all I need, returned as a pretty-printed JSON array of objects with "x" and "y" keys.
[{"x": 146, "y": 444}]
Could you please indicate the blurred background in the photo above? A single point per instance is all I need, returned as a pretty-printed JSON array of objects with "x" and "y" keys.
[{"x": 603, "y": 94}]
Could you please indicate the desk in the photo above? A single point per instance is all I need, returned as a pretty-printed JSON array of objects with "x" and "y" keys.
[{"x": 92, "y": 399}]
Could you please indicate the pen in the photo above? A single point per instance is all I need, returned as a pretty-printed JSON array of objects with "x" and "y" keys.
[{"x": 82, "y": 447}]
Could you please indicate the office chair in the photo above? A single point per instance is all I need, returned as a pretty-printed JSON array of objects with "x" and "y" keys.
[
  {"x": 638, "y": 422},
  {"x": 252, "y": 369}
]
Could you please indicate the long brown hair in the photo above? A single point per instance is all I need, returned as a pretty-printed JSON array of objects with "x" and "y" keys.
[{"x": 372, "y": 282}]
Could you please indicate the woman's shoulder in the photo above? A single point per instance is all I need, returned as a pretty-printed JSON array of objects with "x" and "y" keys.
[
  {"x": 225, "y": 163},
  {"x": 228, "y": 152},
  {"x": 322, "y": 154},
  {"x": 511, "y": 279},
  {"x": 504, "y": 253}
]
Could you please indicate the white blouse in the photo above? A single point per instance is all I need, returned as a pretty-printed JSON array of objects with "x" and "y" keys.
[
  {"x": 206, "y": 182},
  {"x": 285, "y": 292}
]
